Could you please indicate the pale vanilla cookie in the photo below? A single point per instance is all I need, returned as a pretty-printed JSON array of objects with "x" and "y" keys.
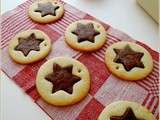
[
  {"x": 85, "y": 35},
  {"x": 63, "y": 81},
  {"x": 125, "y": 110},
  {"x": 128, "y": 60},
  {"x": 46, "y": 11},
  {"x": 29, "y": 46}
]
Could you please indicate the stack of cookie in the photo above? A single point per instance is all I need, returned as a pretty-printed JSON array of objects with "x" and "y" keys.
[{"x": 64, "y": 81}]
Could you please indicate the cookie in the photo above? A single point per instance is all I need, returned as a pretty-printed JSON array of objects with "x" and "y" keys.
[
  {"x": 128, "y": 61},
  {"x": 63, "y": 81},
  {"x": 46, "y": 11},
  {"x": 85, "y": 35},
  {"x": 125, "y": 110},
  {"x": 29, "y": 46}
]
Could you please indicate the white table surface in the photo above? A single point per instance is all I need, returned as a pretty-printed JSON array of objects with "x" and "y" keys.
[{"x": 125, "y": 15}]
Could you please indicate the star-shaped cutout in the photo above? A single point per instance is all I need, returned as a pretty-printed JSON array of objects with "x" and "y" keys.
[
  {"x": 128, "y": 57},
  {"x": 25, "y": 45},
  {"x": 62, "y": 78},
  {"x": 85, "y": 32},
  {"x": 128, "y": 115},
  {"x": 47, "y": 9}
]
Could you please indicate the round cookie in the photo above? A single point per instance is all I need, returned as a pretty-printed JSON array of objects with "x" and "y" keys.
[
  {"x": 125, "y": 110},
  {"x": 85, "y": 35},
  {"x": 128, "y": 60},
  {"x": 29, "y": 46},
  {"x": 63, "y": 81},
  {"x": 46, "y": 11}
]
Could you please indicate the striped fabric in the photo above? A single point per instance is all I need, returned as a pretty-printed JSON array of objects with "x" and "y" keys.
[{"x": 105, "y": 88}]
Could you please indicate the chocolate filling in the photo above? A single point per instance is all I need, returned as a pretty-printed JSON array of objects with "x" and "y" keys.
[
  {"x": 128, "y": 57},
  {"x": 27, "y": 44},
  {"x": 62, "y": 78},
  {"x": 128, "y": 115},
  {"x": 47, "y": 9},
  {"x": 85, "y": 32}
]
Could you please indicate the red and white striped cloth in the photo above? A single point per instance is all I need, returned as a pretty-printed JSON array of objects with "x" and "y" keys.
[{"x": 105, "y": 88}]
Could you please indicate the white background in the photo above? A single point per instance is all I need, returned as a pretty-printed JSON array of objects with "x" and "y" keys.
[{"x": 125, "y": 15}]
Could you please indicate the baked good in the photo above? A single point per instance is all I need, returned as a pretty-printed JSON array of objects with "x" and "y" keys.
[
  {"x": 128, "y": 60},
  {"x": 63, "y": 81},
  {"x": 125, "y": 110},
  {"x": 29, "y": 46},
  {"x": 46, "y": 11},
  {"x": 85, "y": 35}
]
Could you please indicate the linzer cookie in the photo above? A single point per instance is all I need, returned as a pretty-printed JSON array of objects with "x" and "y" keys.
[
  {"x": 128, "y": 61},
  {"x": 85, "y": 35},
  {"x": 46, "y": 11},
  {"x": 125, "y": 110},
  {"x": 29, "y": 46},
  {"x": 63, "y": 81}
]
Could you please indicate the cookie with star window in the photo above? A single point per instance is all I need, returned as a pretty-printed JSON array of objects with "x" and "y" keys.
[
  {"x": 85, "y": 35},
  {"x": 125, "y": 110},
  {"x": 29, "y": 46},
  {"x": 46, "y": 11},
  {"x": 63, "y": 81},
  {"x": 128, "y": 60}
]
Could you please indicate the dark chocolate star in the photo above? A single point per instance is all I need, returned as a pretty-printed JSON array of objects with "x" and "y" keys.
[
  {"x": 62, "y": 78},
  {"x": 27, "y": 44},
  {"x": 47, "y": 9},
  {"x": 85, "y": 32},
  {"x": 129, "y": 58},
  {"x": 128, "y": 115}
]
